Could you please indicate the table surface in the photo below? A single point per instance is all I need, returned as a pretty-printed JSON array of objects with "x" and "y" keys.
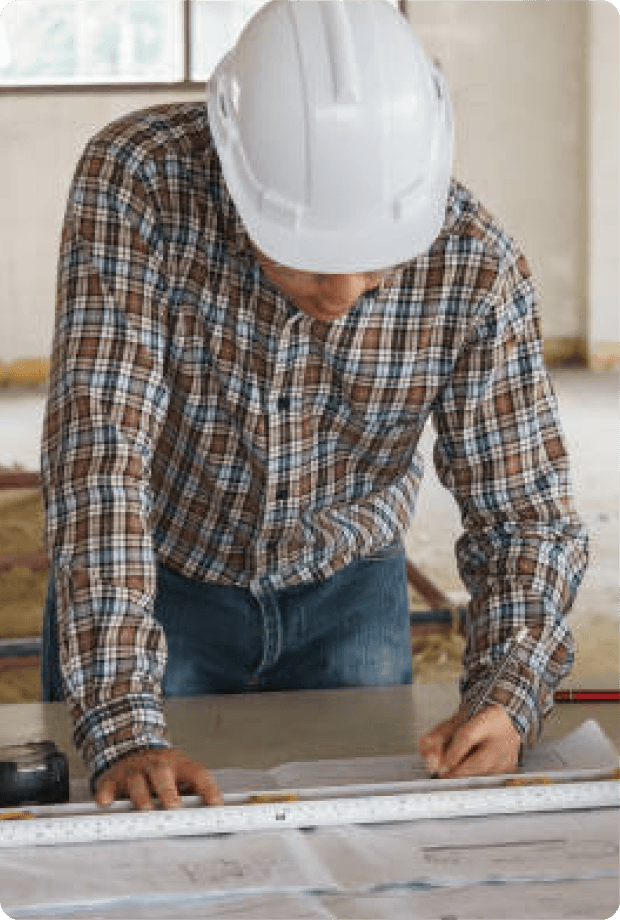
[{"x": 262, "y": 730}]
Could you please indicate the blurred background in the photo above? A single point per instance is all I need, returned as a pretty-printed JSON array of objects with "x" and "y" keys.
[{"x": 535, "y": 87}]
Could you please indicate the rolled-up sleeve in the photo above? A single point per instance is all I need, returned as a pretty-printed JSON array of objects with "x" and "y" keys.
[
  {"x": 523, "y": 552},
  {"x": 106, "y": 404}
]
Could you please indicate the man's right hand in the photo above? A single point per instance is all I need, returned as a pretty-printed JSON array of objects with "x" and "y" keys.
[{"x": 144, "y": 775}]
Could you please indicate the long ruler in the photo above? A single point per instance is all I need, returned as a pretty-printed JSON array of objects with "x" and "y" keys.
[{"x": 74, "y": 828}]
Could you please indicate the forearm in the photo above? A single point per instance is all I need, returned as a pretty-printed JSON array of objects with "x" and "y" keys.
[
  {"x": 522, "y": 556},
  {"x": 112, "y": 651},
  {"x": 530, "y": 587},
  {"x": 112, "y": 658}
]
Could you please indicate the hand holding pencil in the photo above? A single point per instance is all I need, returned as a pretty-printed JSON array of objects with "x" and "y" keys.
[
  {"x": 460, "y": 746},
  {"x": 480, "y": 738}
]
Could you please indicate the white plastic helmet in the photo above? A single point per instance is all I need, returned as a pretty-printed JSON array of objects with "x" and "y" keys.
[{"x": 334, "y": 132}]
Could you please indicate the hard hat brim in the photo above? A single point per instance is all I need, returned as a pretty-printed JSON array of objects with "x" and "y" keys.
[{"x": 355, "y": 250}]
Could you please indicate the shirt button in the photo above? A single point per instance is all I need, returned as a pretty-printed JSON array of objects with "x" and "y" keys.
[
  {"x": 284, "y": 403},
  {"x": 281, "y": 495}
]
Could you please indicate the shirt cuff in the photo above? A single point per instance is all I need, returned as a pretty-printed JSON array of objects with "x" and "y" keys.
[
  {"x": 117, "y": 728},
  {"x": 521, "y": 692}
]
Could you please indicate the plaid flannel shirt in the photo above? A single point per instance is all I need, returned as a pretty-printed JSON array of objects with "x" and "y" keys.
[{"x": 196, "y": 418}]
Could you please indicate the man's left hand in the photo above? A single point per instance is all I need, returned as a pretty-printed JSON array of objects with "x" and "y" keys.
[{"x": 488, "y": 743}]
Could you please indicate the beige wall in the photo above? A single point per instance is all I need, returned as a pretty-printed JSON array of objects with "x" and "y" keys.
[
  {"x": 521, "y": 83},
  {"x": 517, "y": 73},
  {"x": 604, "y": 203},
  {"x": 41, "y": 138}
]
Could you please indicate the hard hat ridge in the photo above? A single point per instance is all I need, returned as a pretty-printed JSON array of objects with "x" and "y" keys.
[{"x": 342, "y": 54}]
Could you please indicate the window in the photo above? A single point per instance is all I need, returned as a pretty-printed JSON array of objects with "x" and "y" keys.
[
  {"x": 90, "y": 42},
  {"x": 215, "y": 27}
]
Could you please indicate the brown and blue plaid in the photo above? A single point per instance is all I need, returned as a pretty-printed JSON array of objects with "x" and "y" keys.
[{"x": 197, "y": 418}]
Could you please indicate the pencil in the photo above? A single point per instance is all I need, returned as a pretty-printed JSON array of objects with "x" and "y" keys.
[{"x": 484, "y": 695}]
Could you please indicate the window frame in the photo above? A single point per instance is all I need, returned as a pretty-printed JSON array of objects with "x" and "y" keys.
[
  {"x": 185, "y": 84},
  {"x": 119, "y": 86}
]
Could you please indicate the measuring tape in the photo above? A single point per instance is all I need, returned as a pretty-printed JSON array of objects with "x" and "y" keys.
[
  {"x": 68, "y": 826},
  {"x": 35, "y": 772}
]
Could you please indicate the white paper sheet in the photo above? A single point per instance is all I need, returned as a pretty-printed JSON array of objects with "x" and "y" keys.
[{"x": 586, "y": 748}]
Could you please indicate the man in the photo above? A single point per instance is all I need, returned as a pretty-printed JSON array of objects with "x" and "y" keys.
[{"x": 260, "y": 304}]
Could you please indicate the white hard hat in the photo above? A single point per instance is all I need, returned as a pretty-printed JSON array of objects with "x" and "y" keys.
[{"x": 334, "y": 132}]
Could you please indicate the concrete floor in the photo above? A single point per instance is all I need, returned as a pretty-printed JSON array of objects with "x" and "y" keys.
[{"x": 589, "y": 409}]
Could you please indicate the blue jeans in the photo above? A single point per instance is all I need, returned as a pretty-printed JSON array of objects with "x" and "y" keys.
[{"x": 349, "y": 630}]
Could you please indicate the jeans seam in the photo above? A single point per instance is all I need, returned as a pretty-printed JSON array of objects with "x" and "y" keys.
[{"x": 270, "y": 614}]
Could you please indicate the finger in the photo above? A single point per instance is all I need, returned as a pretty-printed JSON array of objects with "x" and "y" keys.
[
  {"x": 200, "y": 780},
  {"x": 432, "y": 751},
  {"x": 163, "y": 782},
  {"x": 139, "y": 791},
  {"x": 434, "y": 740},
  {"x": 490, "y": 731},
  {"x": 462, "y": 743},
  {"x": 105, "y": 791},
  {"x": 210, "y": 791},
  {"x": 481, "y": 761},
  {"x": 432, "y": 745}
]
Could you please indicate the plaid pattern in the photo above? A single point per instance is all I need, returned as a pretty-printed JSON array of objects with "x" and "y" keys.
[{"x": 196, "y": 417}]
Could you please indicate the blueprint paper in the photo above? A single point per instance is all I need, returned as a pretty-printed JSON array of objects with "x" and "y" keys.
[
  {"x": 68, "y": 877},
  {"x": 567, "y": 900},
  {"x": 466, "y": 850},
  {"x": 267, "y": 907},
  {"x": 407, "y": 865},
  {"x": 534, "y": 901}
]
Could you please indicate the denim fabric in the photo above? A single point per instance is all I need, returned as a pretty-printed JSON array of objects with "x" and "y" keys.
[{"x": 350, "y": 630}]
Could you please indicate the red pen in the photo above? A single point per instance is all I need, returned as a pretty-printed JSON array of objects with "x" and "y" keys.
[{"x": 587, "y": 696}]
